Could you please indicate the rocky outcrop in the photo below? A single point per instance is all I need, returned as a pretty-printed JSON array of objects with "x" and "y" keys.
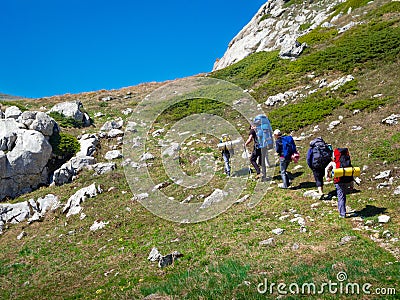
[
  {"x": 34, "y": 210},
  {"x": 73, "y": 205},
  {"x": 83, "y": 158},
  {"x": 277, "y": 26},
  {"x": 24, "y": 154},
  {"x": 73, "y": 110}
]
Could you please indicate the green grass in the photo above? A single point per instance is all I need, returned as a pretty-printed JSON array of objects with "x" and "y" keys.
[
  {"x": 387, "y": 149},
  {"x": 367, "y": 104}
]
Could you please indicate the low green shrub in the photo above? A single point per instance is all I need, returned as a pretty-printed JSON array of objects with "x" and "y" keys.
[
  {"x": 304, "y": 26},
  {"x": 66, "y": 122},
  {"x": 318, "y": 35},
  {"x": 367, "y": 104},
  {"x": 313, "y": 109},
  {"x": 18, "y": 104},
  {"x": 345, "y": 6},
  {"x": 247, "y": 71},
  {"x": 64, "y": 144}
]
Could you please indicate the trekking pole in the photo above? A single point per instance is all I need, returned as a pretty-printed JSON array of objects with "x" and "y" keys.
[{"x": 247, "y": 157}]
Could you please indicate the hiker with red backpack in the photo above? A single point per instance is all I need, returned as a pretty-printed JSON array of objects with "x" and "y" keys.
[
  {"x": 285, "y": 147},
  {"x": 319, "y": 155},
  {"x": 341, "y": 160}
]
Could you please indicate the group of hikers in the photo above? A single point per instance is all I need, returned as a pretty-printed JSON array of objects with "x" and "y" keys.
[{"x": 323, "y": 160}]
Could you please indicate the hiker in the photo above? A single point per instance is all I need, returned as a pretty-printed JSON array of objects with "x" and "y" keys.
[
  {"x": 226, "y": 152},
  {"x": 285, "y": 147},
  {"x": 341, "y": 159},
  {"x": 319, "y": 155},
  {"x": 256, "y": 154}
]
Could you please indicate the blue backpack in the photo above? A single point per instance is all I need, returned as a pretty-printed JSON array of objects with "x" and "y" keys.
[
  {"x": 288, "y": 147},
  {"x": 264, "y": 132}
]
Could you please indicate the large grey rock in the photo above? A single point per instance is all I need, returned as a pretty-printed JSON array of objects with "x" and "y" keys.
[
  {"x": 8, "y": 134},
  {"x": 113, "y": 154},
  {"x": 12, "y": 112},
  {"x": 18, "y": 212},
  {"x": 291, "y": 48},
  {"x": 39, "y": 121},
  {"x": 70, "y": 109},
  {"x": 102, "y": 168},
  {"x": 88, "y": 145},
  {"x": 82, "y": 159},
  {"x": 23, "y": 167},
  {"x": 71, "y": 168},
  {"x": 73, "y": 205},
  {"x": 272, "y": 25},
  {"x": 114, "y": 124}
]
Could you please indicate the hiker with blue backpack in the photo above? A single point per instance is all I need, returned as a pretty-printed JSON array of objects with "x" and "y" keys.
[
  {"x": 285, "y": 147},
  {"x": 256, "y": 154},
  {"x": 261, "y": 135},
  {"x": 319, "y": 155}
]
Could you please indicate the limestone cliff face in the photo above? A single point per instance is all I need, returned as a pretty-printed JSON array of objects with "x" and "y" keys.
[{"x": 276, "y": 26}]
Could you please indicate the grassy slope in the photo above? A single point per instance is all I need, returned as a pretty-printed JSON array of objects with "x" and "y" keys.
[{"x": 61, "y": 258}]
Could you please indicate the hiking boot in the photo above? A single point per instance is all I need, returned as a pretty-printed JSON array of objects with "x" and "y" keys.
[{"x": 258, "y": 176}]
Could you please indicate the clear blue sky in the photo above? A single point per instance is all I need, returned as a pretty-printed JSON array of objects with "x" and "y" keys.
[{"x": 53, "y": 47}]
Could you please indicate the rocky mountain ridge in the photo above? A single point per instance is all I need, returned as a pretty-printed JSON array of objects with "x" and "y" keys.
[{"x": 278, "y": 24}]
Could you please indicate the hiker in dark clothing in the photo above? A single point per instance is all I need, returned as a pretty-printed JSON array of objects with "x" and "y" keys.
[
  {"x": 285, "y": 147},
  {"x": 319, "y": 155}
]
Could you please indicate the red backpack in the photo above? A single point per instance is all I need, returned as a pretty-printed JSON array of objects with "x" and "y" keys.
[{"x": 342, "y": 160}]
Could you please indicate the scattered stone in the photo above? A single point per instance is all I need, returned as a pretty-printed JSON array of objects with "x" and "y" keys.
[
  {"x": 312, "y": 194},
  {"x": 347, "y": 239},
  {"x": 113, "y": 154},
  {"x": 356, "y": 128},
  {"x": 99, "y": 114},
  {"x": 284, "y": 217},
  {"x": 115, "y": 133},
  {"x": 386, "y": 234},
  {"x": 154, "y": 255},
  {"x": 12, "y": 112},
  {"x": 172, "y": 150},
  {"x": 146, "y": 156},
  {"x": 216, "y": 196},
  {"x": 397, "y": 191},
  {"x": 21, "y": 235},
  {"x": 158, "y": 132},
  {"x": 391, "y": 120},
  {"x": 160, "y": 185},
  {"x": 244, "y": 198},
  {"x": 102, "y": 168},
  {"x": 278, "y": 231},
  {"x": 299, "y": 220},
  {"x": 73, "y": 205},
  {"x": 334, "y": 85},
  {"x": 114, "y": 124},
  {"x": 107, "y": 98},
  {"x": 383, "y": 175},
  {"x": 98, "y": 225},
  {"x": 187, "y": 199},
  {"x": 383, "y": 219},
  {"x": 268, "y": 242},
  {"x": 333, "y": 124},
  {"x": 315, "y": 205},
  {"x": 295, "y": 247},
  {"x": 127, "y": 111},
  {"x": 141, "y": 196}
]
